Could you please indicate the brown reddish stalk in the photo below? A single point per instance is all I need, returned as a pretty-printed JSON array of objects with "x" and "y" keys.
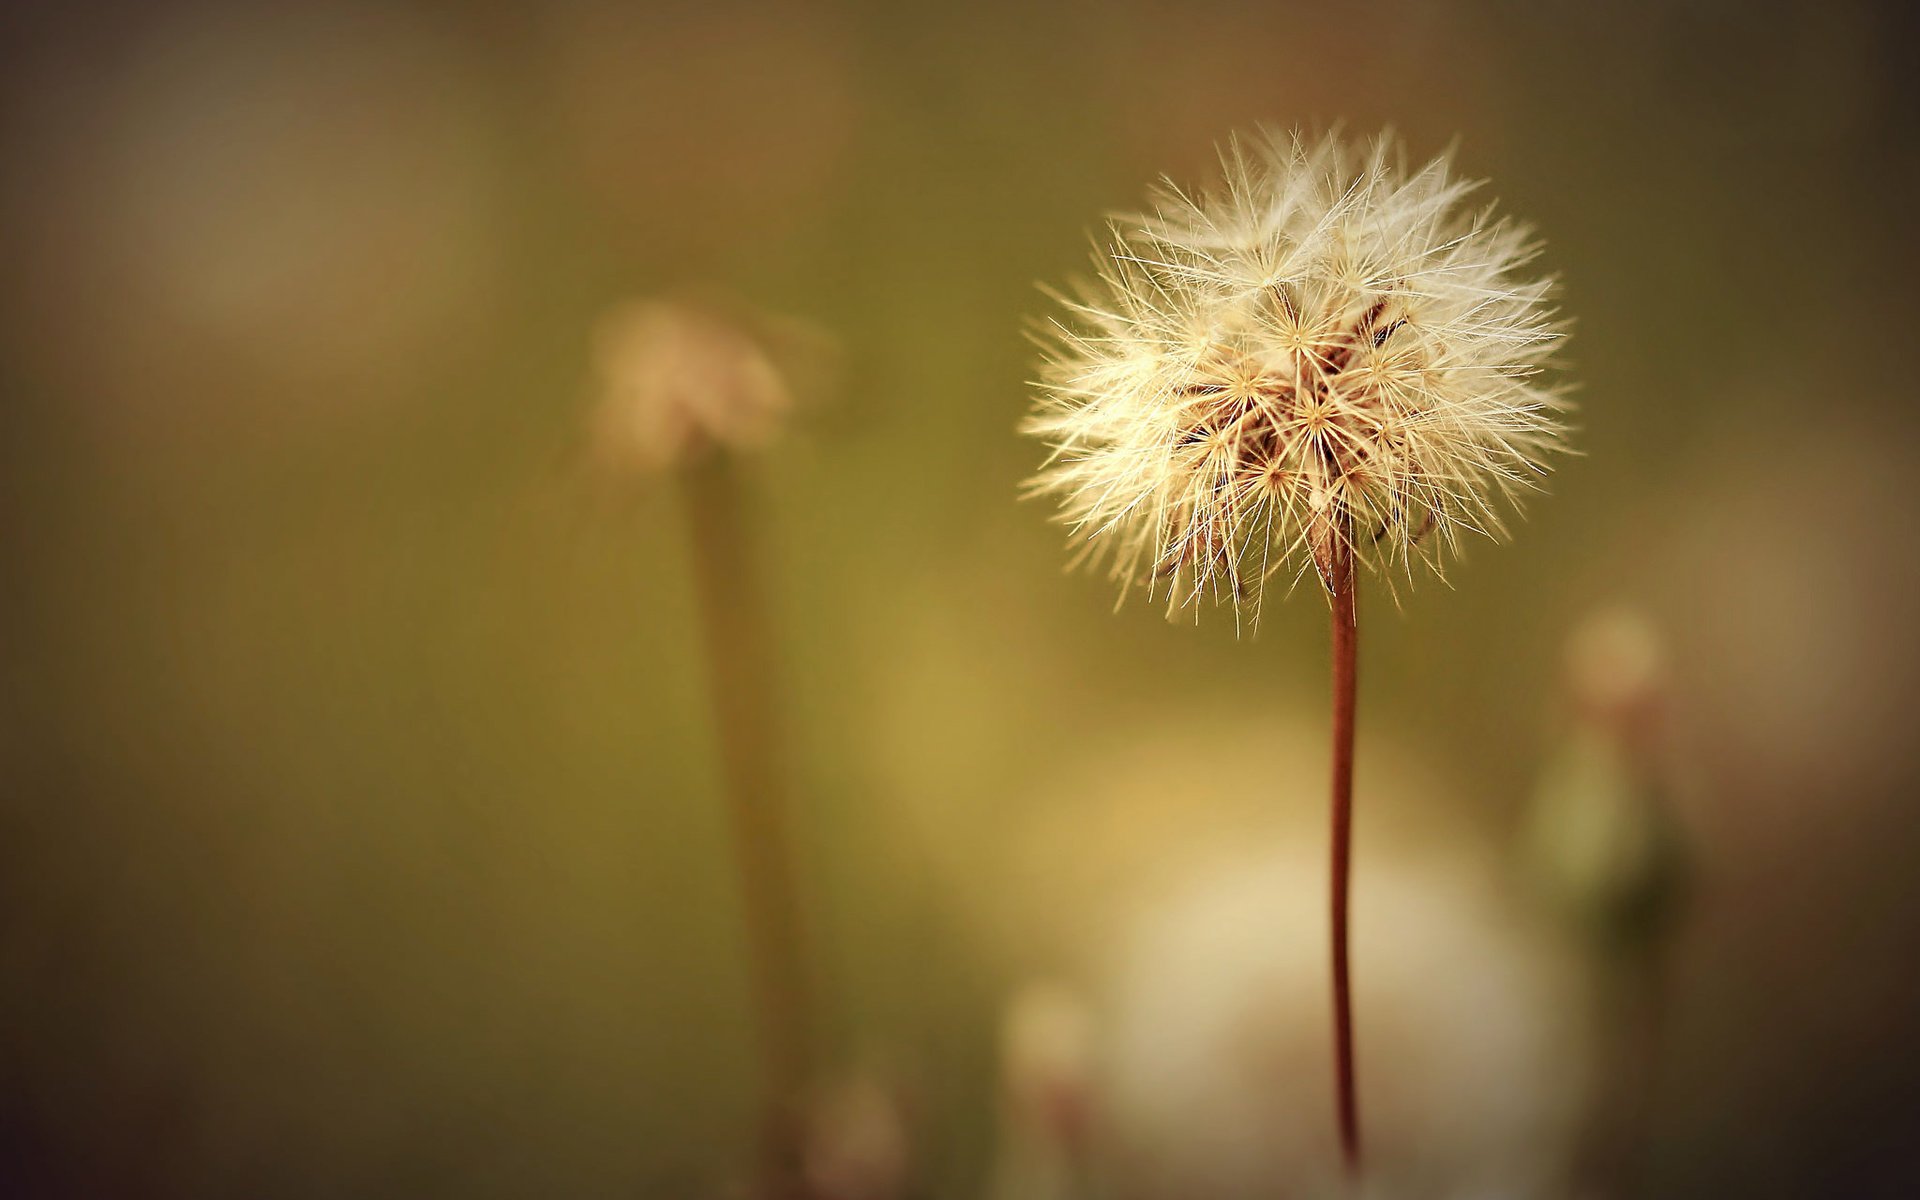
[
  {"x": 738, "y": 658},
  {"x": 1346, "y": 634}
]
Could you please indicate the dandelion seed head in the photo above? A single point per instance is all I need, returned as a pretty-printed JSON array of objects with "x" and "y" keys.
[{"x": 1327, "y": 350}]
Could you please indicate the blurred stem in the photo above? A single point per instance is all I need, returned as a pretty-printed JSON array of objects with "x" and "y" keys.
[
  {"x": 1346, "y": 636},
  {"x": 740, "y": 682},
  {"x": 1633, "y": 995}
]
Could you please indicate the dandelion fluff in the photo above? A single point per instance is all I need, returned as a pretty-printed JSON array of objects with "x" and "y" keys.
[{"x": 1326, "y": 351}]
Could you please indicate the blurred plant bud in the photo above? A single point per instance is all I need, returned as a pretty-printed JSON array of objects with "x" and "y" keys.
[
  {"x": 1601, "y": 837},
  {"x": 1046, "y": 1059},
  {"x": 857, "y": 1145},
  {"x": 1046, "y": 1079},
  {"x": 679, "y": 378}
]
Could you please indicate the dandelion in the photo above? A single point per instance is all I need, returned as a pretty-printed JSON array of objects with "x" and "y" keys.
[
  {"x": 1328, "y": 359},
  {"x": 687, "y": 388}
]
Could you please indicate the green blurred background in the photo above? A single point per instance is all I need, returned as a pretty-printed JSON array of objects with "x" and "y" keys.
[{"x": 362, "y": 831}]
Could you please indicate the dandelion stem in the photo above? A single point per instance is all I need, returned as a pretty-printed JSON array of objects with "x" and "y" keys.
[
  {"x": 1346, "y": 635},
  {"x": 739, "y": 680}
]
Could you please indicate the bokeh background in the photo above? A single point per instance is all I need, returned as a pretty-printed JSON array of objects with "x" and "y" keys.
[{"x": 361, "y": 828}]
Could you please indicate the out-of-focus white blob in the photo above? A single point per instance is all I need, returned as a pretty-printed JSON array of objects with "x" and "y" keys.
[
  {"x": 1222, "y": 1073},
  {"x": 1047, "y": 1096},
  {"x": 302, "y": 198},
  {"x": 857, "y": 1146},
  {"x": 702, "y": 130}
]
